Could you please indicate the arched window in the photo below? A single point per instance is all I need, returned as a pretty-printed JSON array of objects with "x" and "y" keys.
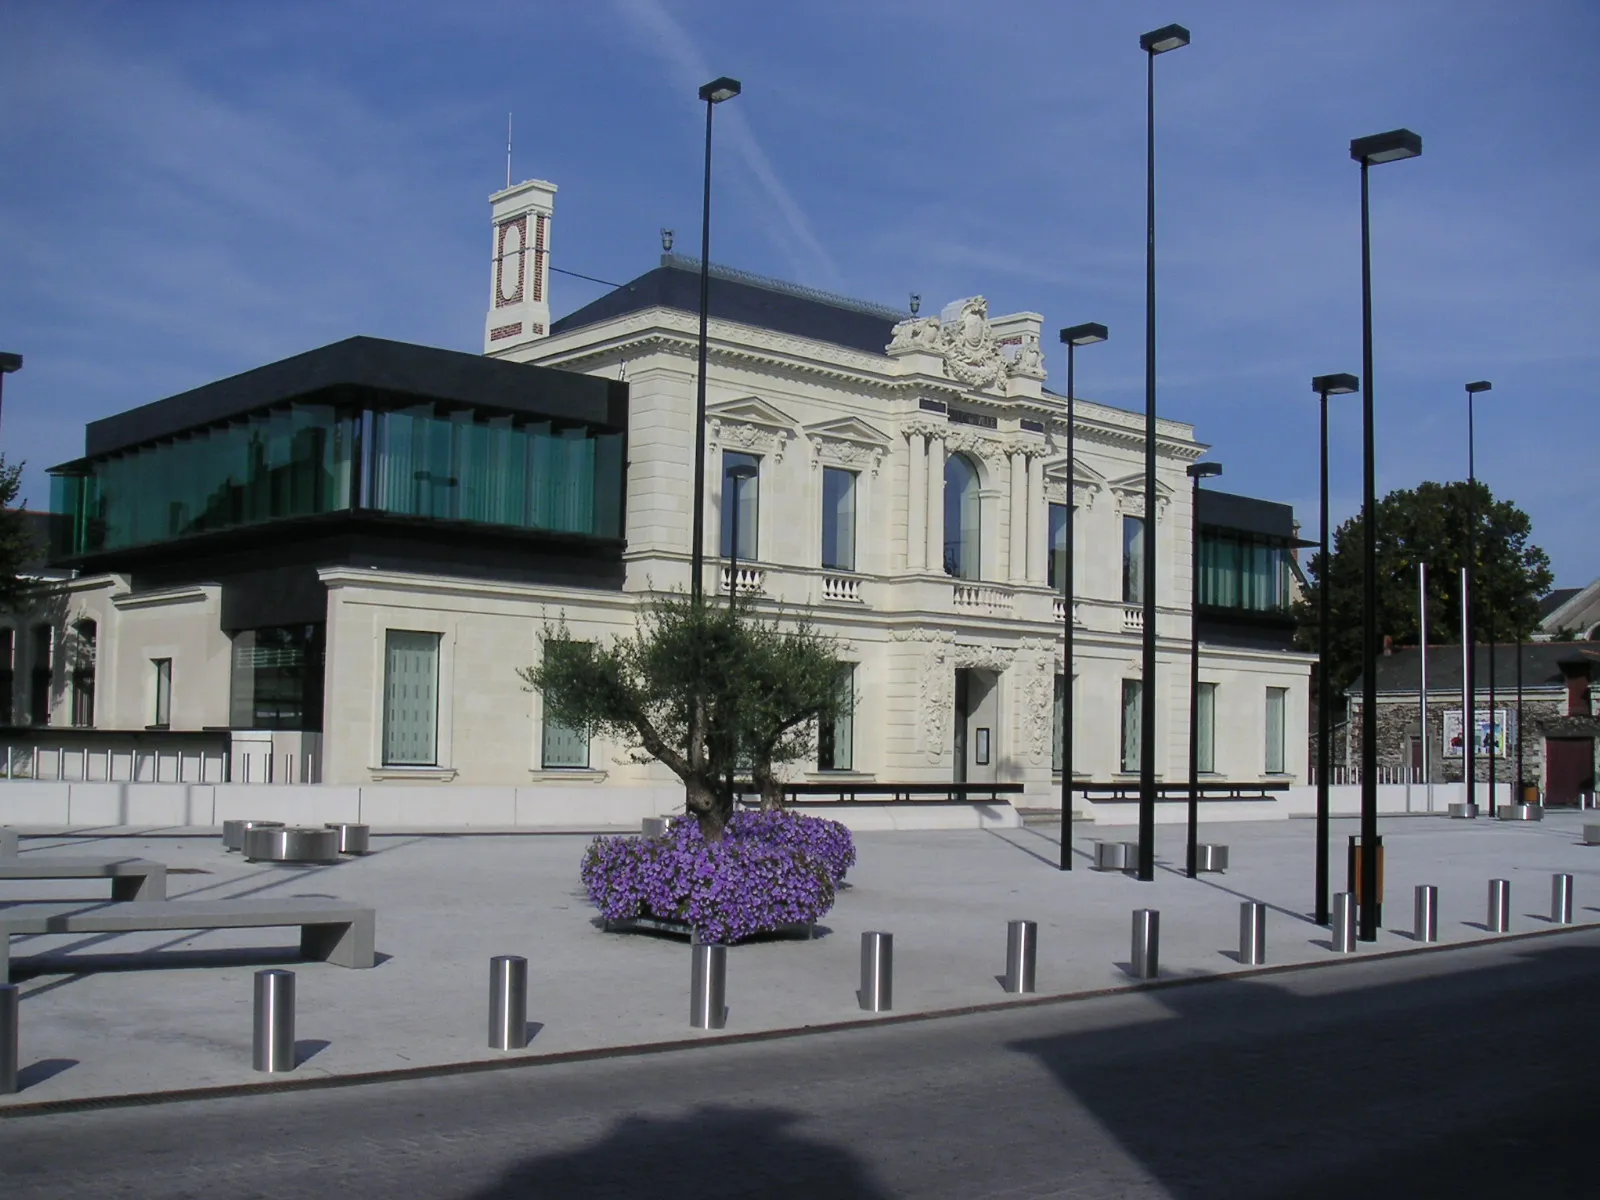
[{"x": 962, "y": 517}]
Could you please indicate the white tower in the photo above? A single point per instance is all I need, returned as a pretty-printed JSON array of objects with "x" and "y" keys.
[{"x": 519, "y": 295}]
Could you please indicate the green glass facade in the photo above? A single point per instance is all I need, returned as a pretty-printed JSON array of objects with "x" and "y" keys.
[
  {"x": 1243, "y": 572},
  {"x": 303, "y": 460}
]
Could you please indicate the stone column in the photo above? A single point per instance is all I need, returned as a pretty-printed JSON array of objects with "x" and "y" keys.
[
  {"x": 1017, "y": 559},
  {"x": 935, "y": 507},
  {"x": 1037, "y": 529},
  {"x": 917, "y": 503}
]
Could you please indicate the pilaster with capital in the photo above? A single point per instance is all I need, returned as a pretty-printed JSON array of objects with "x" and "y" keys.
[
  {"x": 1036, "y": 520},
  {"x": 917, "y": 503},
  {"x": 935, "y": 506},
  {"x": 1017, "y": 561}
]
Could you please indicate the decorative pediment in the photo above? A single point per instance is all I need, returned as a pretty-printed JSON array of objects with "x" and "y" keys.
[
  {"x": 847, "y": 442},
  {"x": 1129, "y": 493},
  {"x": 1087, "y": 483},
  {"x": 750, "y": 424}
]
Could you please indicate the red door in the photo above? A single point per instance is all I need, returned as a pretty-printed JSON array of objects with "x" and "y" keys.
[{"x": 1569, "y": 769}]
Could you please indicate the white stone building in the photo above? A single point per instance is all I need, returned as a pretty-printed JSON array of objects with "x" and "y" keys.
[{"x": 909, "y": 491}]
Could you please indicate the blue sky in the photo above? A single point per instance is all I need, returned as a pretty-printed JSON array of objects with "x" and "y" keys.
[{"x": 191, "y": 189}]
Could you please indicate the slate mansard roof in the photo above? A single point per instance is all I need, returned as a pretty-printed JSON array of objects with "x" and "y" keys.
[{"x": 1541, "y": 667}]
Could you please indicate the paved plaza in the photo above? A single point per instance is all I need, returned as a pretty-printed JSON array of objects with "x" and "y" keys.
[{"x": 100, "y": 1020}]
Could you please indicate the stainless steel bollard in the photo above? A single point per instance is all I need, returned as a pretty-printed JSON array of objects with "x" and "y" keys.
[
  {"x": 1022, "y": 955},
  {"x": 1344, "y": 923},
  {"x": 10, "y": 1004},
  {"x": 1426, "y": 928},
  {"x": 508, "y": 1002},
  {"x": 1499, "y": 906},
  {"x": 274, "y": 1021},
  {"x": 1252, "y": 933},
  {"x": 877, "y": 971},
  {"x": 1146, "y": 943},
  {"x": 708, "y": 986},
  {"x": 1561, "y": 899}
]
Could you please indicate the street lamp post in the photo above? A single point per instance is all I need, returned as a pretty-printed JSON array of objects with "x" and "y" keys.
[
  {"x": 9, "y": 362},
  {"x": 713, "y": 93},
  {"x": 1159, "y": 41},
  {"x": 1077, "y": 335},
  {"x": 1469, "y": 630},
  {"x": 1197, "y": 472},
  {"x": 736, "y": 475},
  {"x": 1325, "y": 386},
  {"x": 1378, "y": 148}
]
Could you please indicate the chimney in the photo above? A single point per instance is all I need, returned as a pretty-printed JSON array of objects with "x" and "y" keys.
[
  {"x": 1576, "y": 674},
  {"x": 519, "y": 274}
]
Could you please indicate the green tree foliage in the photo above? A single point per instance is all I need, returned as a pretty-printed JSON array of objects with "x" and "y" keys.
[
  {"x": 17, "y": 547},
  {"x": 1427, "y": 524},
  {"x": 701, "y": 689}
]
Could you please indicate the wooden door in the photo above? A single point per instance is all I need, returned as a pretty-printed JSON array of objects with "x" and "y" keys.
[{"x": 1569, "y": 769}]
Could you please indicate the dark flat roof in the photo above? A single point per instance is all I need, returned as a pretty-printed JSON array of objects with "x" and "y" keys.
[
  {"x": 747, "y": 299},
  {"x": 1224, "y": 510},
  {"x": 402, "y": 370}
]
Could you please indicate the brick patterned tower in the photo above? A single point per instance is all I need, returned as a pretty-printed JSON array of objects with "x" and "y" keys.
[{"x": 519, "y": 276}]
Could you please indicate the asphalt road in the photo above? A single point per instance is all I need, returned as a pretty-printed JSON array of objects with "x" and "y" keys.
[{"x": 1462, "y": 1073}]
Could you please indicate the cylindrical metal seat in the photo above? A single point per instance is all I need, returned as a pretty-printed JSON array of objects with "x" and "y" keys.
[
  {"x": 292, "y": 844},
  {"x": 353, "y": 838},
  {"x": 1211, "y": 857},
  {"x": 233, "y": 832},
  {"x": 1110, "y": 856}
]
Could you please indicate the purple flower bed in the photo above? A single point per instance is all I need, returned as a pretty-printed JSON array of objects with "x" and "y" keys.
[{"x": 769, "y": 870}]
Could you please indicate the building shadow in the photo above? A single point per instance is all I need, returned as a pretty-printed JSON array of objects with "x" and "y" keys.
[
  {"x": 1258, "y": 1090},
  {"x": 711, "y": 1153}
]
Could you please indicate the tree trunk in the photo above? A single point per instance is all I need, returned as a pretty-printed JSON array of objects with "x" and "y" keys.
[{"x": 771, "y": 786}]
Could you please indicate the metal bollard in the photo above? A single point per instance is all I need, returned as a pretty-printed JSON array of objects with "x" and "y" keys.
[
  {"x": 1499, "y": 906},
  {"x": 1426, "y": 928},
  {"x": 1344, "y": 923},
  {"x": 1252, "y": 933},
  {"x": 10, "y": 1003},
  {"x": 1146, "y": 943},
  {"x": 1022, "y": 955},
  {"x": 708, "y": 986},
  {"x": 508, "y": 1002},
  {"x": 877, "y": 972},
  {"x": 274, "y": 1021},
  {"x": 1561, "y": 899}
]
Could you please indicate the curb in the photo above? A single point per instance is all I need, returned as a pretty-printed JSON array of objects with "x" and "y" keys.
[{"x": 641, "y": 1049}]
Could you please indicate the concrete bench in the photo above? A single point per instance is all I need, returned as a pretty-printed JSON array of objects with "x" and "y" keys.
[
  {"x": 330, "y": 930},
  {"x": 8, "y": 843},
  {"x": 131, "y": 878},
  {"x": 1591, "y": 835}
]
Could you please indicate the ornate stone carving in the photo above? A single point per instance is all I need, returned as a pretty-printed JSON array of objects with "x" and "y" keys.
[
  {"x": 1029, "y": 359},
  {"x": 1040, "y": 693},
  {"x": 851, "y": 455},
  {"x": 753, "y": 438},
  {"x": 971, "y": 352},
  {"x": 917, "y": 334},
  {"x": 959, "y": 439},
  {"x": 985, "y": 658}
]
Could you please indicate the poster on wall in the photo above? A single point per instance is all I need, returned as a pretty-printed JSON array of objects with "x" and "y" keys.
[{"x": 1505, "y": 732}]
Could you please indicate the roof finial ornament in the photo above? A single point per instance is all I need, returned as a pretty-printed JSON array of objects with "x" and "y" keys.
[
  {"x": 916, "y": 303},
  {"x": 666, "y": 241}
]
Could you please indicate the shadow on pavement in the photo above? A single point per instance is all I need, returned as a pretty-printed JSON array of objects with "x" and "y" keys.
[
  {"x": 713, "y": 1152},
  {"x": 1260, "y": 1090}
]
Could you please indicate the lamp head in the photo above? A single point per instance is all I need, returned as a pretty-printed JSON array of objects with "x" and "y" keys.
[
  {"x": 719, "y": 90},
  {"x": 9, "y": 362},
  {"x": 1168, "y": 37},
  {"x": 1335, "y": 385},
  {"x": 1084, "y": 335},
  {"x": 1204, "y": 470},
  {"x": 1386, "y": 147},
  {"x": 1483, "y": 385}
]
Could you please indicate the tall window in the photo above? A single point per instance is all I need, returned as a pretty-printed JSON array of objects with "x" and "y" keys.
[
  {"x": 8, "y": 677},
  {"x": 43, "y": 642},
  {"x": 963, "y": 512},
  {"x": 564, "y": 747},
  {"x": 85, "y": 639},
  {"x": 836, "y": 739},
  {"x": 838, "y": 519},
  {"x": 1133, "y": 560},
  {"x": 277, "y": 676},
  {"x": 1058, "y": 546},
  {"x": 411, "y": 699},
  {"x": 1132, "y": 723},
  {"x": 741, "y": 498},
  {"x": 1277, "y": 704},
  {"x": 163, "y": 713},
  {"x": 1205, "y": 729}
]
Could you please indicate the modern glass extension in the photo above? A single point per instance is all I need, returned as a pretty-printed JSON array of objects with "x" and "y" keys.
[
  {"x": 303, "y": 460},
  {"x": 1244, "y": 572}
]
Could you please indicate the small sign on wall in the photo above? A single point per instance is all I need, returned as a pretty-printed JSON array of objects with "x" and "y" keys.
[
  {"x": 1505, "y": 732},
  {"x": 982, "y": 748}
]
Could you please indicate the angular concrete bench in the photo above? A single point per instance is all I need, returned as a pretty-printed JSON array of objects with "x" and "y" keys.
[
  {"x": 330, "y": 930},
  {"x": 131, "y": 878},
  {"x": 8, "y": 843}
]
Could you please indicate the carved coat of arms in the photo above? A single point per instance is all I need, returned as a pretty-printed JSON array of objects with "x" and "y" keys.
[{"x": 962, "y": 337}]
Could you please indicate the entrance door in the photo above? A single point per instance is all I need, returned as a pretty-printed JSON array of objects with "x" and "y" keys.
[
  {"x": 963, "y": 698},
  {"x": 1569, "y": 769}
]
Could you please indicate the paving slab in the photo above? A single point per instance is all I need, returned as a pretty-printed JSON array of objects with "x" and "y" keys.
[{"x": 108, "y": 1015}]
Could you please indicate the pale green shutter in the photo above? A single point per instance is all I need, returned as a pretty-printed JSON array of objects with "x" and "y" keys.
[
  {"x": 1276, "y": 699},
  {"x": 564, "y": 747},
  {"x": 1205, "y": 740},
  {"x": 411, "y": 699}
]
